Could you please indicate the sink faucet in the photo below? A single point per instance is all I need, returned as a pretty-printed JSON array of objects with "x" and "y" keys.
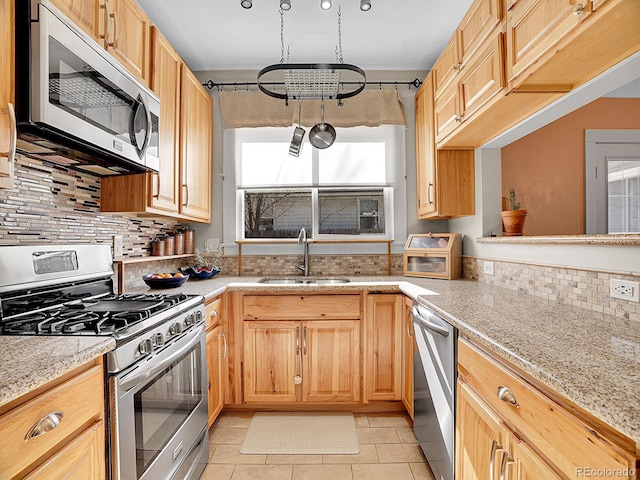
[{"x": 302, "y": 240}]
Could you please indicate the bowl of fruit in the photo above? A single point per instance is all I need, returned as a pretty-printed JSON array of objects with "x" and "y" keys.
[{"x": 165, "y": 280}]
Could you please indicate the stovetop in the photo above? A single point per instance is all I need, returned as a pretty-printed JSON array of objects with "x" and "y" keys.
[{"x": 107, "y": 315}]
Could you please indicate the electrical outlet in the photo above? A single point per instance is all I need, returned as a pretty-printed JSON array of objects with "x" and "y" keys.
[
  {"x": 487, "y": 267},
  {"x": 624, "y": 289},
  {"x": 118, "y": 246}
]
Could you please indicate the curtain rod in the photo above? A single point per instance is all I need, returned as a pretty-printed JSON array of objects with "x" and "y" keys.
[{"x": 210, "y": 84}]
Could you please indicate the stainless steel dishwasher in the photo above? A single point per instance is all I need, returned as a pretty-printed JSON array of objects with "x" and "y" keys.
[{"x": 434, "y": 372}]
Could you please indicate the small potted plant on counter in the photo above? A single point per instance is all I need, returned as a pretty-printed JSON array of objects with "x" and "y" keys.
[
  {"x": 206, "y": 263},
  {"x": 513, "y": 219}
]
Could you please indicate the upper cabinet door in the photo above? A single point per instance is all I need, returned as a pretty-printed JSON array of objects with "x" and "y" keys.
[
  {"x": 196, "y": 145},
  {"x": 84, "y": 13},
  {"x": 127, "y": 36},
  {"x": 165, "y": 82},
  {"x": 480, "y": 20},
  {"x": 535, "y": 26},
  {"x": 425, "y": 149},
  {"x": 446, "y": 67},
  {"x": 7, "y": 115}
]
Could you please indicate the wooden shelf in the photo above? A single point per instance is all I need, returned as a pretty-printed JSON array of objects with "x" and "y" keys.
[{"x": 120, "y": 263}]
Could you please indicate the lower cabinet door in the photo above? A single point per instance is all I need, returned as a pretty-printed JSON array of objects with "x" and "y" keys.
[
  {"x": 215, "y": 350},
  {"x": 526, "y": 464},
  {"x": 480, "y": 439},
  {"x": 408, "y": 348},
  {"x": 331, "y": 366},
  {"x": 81, "y": 459},
  {"x": 271, "y": 361}
]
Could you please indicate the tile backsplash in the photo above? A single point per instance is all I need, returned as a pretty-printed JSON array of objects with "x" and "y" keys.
[
  {"x": 586, "y": 289},
  {"x": 51, "y": 205}
]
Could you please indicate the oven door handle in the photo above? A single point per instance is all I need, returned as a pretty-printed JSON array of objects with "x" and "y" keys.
[{"x": 144, "y": 372}]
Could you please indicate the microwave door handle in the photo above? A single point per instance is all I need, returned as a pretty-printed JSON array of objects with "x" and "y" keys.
[{"x": 147, "y": 138}]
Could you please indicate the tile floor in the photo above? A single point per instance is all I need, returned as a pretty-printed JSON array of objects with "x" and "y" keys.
[{"x": 388, "y": 450}]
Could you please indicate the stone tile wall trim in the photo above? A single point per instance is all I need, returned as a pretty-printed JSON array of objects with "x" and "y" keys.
[{"x": 587, "y": 289}]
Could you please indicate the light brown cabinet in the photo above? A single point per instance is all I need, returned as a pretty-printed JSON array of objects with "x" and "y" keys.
[
  {"x": 408, "y": 351},
  {"x": 482, "y": 17},
  {"x": 481, "y": 81},
  {"x": 74, "y": 448},
  {"x": 85, "y": 14},
  {"x": 383, "y": 346},
  {"x": 309, "y": 361},
  {"x": 196, "y": 143},
  {"x": 534, "y": 27},
  {"x": 216, "y": 354},
  {"x": 7, "y": 113},
  {"x": 425, "y": 149},
  {"x": 182, "y": 188},
  {"x": 534, "y": 435},
  {"x": 127, "y": 36}
]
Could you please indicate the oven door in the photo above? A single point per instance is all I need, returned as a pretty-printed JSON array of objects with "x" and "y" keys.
[{"x": 158, "y": 413}]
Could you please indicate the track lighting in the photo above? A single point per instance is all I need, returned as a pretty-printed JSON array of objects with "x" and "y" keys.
[
  {"x": 365, "y": 5},
  {"x": 285, "y": 4},
  {"x": 325, "y": 4},
  {"x": 246, "y": 3}
]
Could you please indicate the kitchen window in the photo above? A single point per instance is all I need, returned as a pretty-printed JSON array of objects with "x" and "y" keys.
[{"x": 345, "y": 192}]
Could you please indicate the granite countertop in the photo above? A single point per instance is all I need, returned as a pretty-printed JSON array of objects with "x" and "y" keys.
[
  {"x": 28, "y": 362},
  {"x": 590, "y": 358}
]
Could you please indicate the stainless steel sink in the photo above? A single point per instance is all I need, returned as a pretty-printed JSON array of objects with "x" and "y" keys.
[
  {"x": 281, "y": 281},
  {"x": 330, "y": 281},
  {"x": 299, "y": 281}
]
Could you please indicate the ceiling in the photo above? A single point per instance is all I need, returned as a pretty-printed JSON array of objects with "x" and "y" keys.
[{"x": 393, "y": 35}]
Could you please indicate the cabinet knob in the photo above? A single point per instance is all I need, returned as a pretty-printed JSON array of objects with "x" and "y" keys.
[
  {"x": 507, "y": 396},
  {"x": 458, "y": 118},
  {"x": 579, "y": 9},
  {"x": 214, "y": 313}
]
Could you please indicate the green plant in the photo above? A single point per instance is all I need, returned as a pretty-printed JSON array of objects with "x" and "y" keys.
[
  {"x": 513, "y": 201},
  {"x": 208, "y": 257}
]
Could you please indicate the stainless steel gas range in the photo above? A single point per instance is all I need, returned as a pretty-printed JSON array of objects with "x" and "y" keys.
[{"x": 156, "y": 375}]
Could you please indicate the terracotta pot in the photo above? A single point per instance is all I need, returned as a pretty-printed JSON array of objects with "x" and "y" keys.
[{"x": 513, "y": 222}]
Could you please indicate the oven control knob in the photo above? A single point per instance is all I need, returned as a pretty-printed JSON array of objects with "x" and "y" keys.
[
  {"x": 189, "y": 320},
  {"x": 145, "y": 347},
  {"x": 175, "y": 329},
  {"x": 158, "y": 340},
  {"x": 198, "y": 315}
]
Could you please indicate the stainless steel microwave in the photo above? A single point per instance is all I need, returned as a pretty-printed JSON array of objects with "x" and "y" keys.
[{"x": 76, "y": 105}]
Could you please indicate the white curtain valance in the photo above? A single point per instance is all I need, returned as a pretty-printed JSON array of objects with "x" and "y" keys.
[{"x": 371, "y": 108}]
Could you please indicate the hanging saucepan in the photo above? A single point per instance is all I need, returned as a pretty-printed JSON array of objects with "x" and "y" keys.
[
  {"x": 298, "y": 135},
  {"x": 322, "y": 135}
]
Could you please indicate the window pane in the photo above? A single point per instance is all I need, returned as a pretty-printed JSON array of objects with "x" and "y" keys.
[
  {"x": 624, "y": 196},
  {"x": 351, "y": 212},
  {"x": 276, "y": 214},
  {"x": 352, "y": 163},
  {"x": 269, "y": 164}
]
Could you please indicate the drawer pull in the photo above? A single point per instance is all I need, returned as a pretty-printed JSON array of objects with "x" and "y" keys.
[
  {"x": 506, "y": 462},
  {"x": 579, "y": 9},
  {"x": 495, "y": 448},
  {"x": 214, "y": 313},
  {"x": 507, "y": 395},
  {"x": 44, "y": 425}
]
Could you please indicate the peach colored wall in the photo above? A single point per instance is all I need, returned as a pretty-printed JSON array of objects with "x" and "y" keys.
[{"x": 546, "y": 167}]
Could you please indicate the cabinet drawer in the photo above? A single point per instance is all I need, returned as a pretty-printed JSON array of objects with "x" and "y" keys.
[
  {"x": 562, "y": 437},
  {"x": 80, "y": 399},
  {"x": 300, "y": 307},
  {"x": 213, "y": 313}
]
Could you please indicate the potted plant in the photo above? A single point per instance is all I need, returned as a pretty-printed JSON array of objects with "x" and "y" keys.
[
  {"x": 513, "y": 219},
  {"x": 206, "y": 263}
]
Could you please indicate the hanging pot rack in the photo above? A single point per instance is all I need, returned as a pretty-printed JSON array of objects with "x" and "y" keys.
[{"x": 210, "y": 84}]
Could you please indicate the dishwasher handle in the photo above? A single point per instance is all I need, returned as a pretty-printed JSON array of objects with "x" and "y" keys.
[{"x": 427, "y": 324}]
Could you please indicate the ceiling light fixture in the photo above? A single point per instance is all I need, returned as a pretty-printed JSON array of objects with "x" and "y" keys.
[
  {"x": 246, "y": 3},
  {"x": 285, "y": 4},
  {"x": 325, "y": 4},
  {"x": 365, "y": 5}
]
